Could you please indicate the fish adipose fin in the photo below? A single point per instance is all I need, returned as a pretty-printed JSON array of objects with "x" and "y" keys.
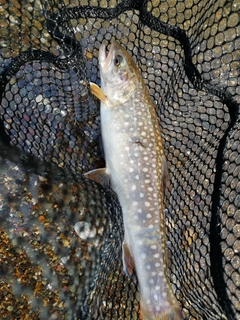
[
  {"x": 127, "y": 259},
  {"x": 99, "y": 175},
  {"x": 97, "y": 91}
]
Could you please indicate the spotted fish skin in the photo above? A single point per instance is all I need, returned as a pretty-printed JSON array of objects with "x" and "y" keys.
[{"x": 136, "y": 165}]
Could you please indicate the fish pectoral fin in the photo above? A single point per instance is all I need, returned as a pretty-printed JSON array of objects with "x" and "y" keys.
[
  {"x": 97, "y": 91},
  {"x": 99, "y": 175},
  {"x": 128, "y": 263}
]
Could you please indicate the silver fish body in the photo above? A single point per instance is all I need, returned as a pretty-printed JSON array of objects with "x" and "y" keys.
[{"x": 136, "y": 165}]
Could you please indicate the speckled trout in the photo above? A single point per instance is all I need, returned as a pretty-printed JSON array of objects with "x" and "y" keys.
[{"x": 136, "y": 169}]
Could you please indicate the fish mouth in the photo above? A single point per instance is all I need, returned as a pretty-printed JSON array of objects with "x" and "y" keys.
[{"x": 105, "y": 57}]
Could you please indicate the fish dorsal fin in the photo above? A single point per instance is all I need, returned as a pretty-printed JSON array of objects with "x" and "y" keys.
[
  {"x": 97, "y": 91},
  {"x": 99, "y": 175}
]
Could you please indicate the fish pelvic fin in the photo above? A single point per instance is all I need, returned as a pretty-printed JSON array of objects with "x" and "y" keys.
[
  {"x": 97, "y": 92},
  {"x": 127, "y": 259},
  {"x": 99, "y": 175}
]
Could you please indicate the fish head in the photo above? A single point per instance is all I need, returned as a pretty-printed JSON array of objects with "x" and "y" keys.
[{"x": 119, "y": 74}]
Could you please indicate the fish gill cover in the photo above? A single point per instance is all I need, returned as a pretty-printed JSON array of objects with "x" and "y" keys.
[{"x": 60, "y": 233}]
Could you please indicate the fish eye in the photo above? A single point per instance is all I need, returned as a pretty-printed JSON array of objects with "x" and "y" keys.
[{"x": 118, "y": 60}]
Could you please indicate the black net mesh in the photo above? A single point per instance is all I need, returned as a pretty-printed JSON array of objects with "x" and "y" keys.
[{"x": 60, "y": 233}]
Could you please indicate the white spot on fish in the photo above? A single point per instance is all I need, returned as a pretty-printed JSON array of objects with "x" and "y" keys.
[
  {"x": 137, "y": 177},
  {"x": 147, "y": 204},
  {"x": 130, "y": 169},
  {"x": 157, "y": 288},
  {"x": 154, "y": 247},
  {"x": 164, "y": 294},
  {"x": 157, "y": 264},
  {"x": 145, "y": 169},
  {"x": 166, "y": 303},
  {"x": 155, "y": 296},
  {"x": 148, "y": 267},
  {"x": 141, "y": 195},
  {"x": 147, "y": 181},
  {"x": 149, "y": 216},
  {"x": 156, "y": 255},
  {"x": 143, "y": 256},
  {"x": 140, "y": 210},
  {"x": 133, "y": 187},
  {"x": 135, "y": 203},
  {"x": 150, "y": 189},
  {"x": 151, "y": 281}
]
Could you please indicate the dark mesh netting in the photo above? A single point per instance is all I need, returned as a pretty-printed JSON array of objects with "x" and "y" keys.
[{"x": 60, "y": 233}]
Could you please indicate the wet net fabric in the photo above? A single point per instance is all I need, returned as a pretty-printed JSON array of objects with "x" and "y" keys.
[{"x": 60, "y": 233}]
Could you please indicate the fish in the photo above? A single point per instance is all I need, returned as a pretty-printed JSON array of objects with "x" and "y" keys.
[{"x": 136, "y": 169}]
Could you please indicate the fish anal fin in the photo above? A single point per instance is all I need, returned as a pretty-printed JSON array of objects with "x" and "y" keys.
[
  {"x": 128, "y": 263},
  {"x": 99, "y": 175},
  {"x": 97, "y": 91}
]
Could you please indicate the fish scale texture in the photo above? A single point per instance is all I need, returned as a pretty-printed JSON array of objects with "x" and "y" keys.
[{"x": 60, "y": 233}]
